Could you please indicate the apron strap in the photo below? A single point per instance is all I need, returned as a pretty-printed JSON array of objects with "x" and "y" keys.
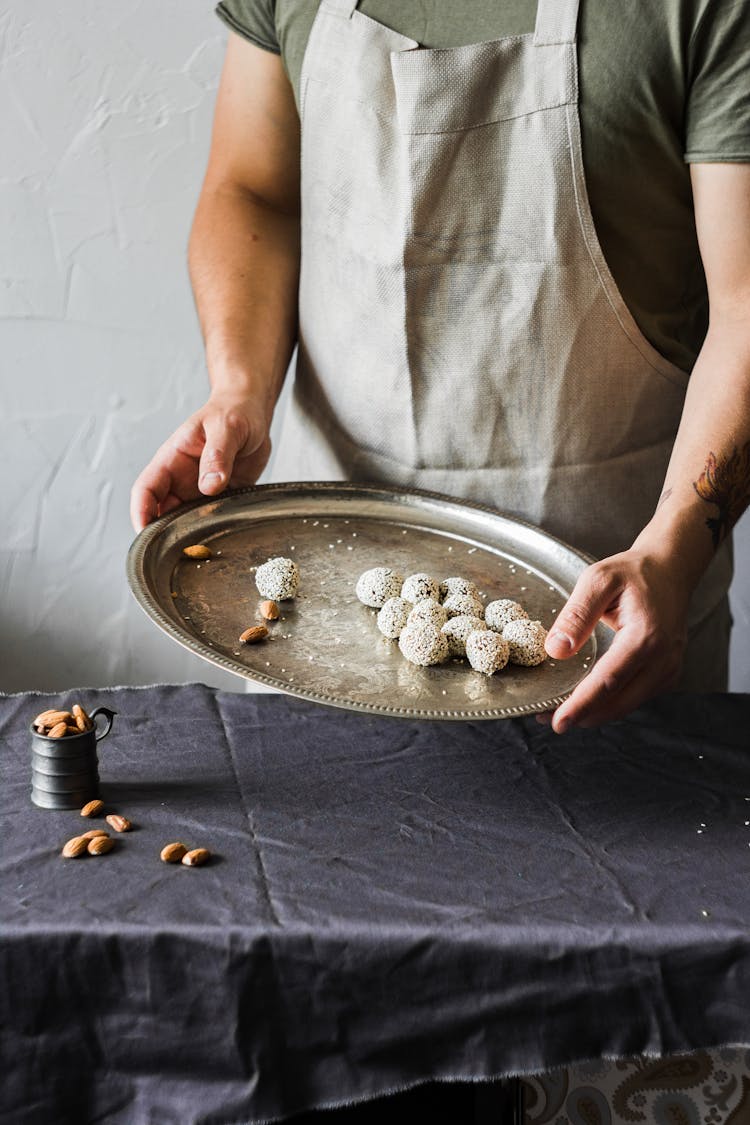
[{"x": 556, "y": 21}]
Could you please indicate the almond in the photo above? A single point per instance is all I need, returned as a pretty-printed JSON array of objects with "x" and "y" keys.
[
  {"x": 254, "y": 634},
  {"x": 197, "y": 551},
  {"x": 41, "y": 719},
  {"x": 269, "y": 610},
  {"x": 172, "y": 853},
  {"x": 197, "y": 857},
  {"x": 75, "y": 847},
  {"x": 93, "y": 808},
  {"x": 93, "y": 833},
  {"x": 100, "y": 845},
  {"x": 51, "y": 718},
  {"x": 59, "y": 730},
  {"x": 83, "y": 722},
  {"x": 73, "y": 730},
  {"x": 119, "y": 823}
]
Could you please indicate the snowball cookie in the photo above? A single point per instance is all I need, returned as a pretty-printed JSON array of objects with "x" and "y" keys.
[
  {"x": 419, "y": 586},
  {"x": 392, "y": 617},
  {"x": 526, "y": 640},
  {"x": 376, "y": 586},
  {"x": 457, "y": 586},
  {"x": 430, "y": 611},
  {"x": 498, "y": 614},
  {"x": 423, "y": 644},
  {"x": 462, "y": 605},
  {"x": 487, "y": 651},
  {"x": 277, "y": 579},
  {"x": 457, "y": 630}
]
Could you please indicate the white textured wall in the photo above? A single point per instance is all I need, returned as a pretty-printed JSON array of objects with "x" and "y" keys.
[
  {"x": 104, "y": 126},
  {"x": 105, "y": 113}
]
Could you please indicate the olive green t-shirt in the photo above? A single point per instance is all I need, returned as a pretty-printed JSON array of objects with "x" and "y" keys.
[{"x": 663, "y": 83}]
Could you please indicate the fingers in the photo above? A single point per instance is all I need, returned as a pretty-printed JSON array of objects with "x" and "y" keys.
[
  {"x": 216, "y": 447},
  {"x": 602, "y": 688},
  {"x": 248, "y": 467},
  {"x": 636, "y": 667},
  {"x": 143, "y": 508},
  {"x": 637, "y": 598},
  {"x": 607, "y": 705},
  {"x": 146, "y": 496},
  {"x": 593, "y": 594},
  {"x": 163, "y": 484},
  {"x": 224, "y": 436},
  {"x": 169, "y": 504}
]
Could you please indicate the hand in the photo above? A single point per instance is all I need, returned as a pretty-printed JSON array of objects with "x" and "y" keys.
[
  {"x": 224, "y": 444},
  {"x": 645, "y": 601}
]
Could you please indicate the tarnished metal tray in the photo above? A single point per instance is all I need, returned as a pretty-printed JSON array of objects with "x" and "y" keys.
[{"x": 326, "y": 645}]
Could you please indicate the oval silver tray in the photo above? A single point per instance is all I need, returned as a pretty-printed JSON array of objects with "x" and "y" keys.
[{"x": 326, "y": 645}]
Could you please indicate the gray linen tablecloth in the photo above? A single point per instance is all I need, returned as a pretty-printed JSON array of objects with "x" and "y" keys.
[{"x": 389, "y": 902}]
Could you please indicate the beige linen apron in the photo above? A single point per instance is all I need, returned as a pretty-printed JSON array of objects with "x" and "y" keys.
[{"x": 459, "y": 328}]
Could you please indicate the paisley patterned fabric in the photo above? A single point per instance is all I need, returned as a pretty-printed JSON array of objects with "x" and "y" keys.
[{"x": 702, "y": 1088}]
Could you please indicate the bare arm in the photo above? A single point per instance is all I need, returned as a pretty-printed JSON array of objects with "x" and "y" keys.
[
  {"x": 644, "y": 592},
  {"x": 244, "y": 266}
]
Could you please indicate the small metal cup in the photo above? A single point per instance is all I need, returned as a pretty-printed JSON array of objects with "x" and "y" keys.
[
  {"x": 64, "y": 771},
  {"x": 59, "y": 767},
  {"x": 70, "y": 783}
]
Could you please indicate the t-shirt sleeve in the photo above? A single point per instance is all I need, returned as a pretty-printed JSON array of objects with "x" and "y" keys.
[
  {"x": 717, "y": 119},
  {"x": 253, "y": 20}
]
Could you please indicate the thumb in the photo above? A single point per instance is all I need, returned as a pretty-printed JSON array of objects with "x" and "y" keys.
[
  {"x": 590, "y": 600},
  {"x": 222, "y": 444}
]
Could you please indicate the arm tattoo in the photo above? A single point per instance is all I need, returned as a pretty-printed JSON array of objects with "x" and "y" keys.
[{"x": 725, "y": 482}]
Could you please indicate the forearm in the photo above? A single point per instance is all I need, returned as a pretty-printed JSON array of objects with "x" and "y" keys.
[
  {"x": 244, "y": 266},
  {"x": 707, "y": 485},
  {"x": 244, "y": 269},
  {"x": 644, "y": 593}
]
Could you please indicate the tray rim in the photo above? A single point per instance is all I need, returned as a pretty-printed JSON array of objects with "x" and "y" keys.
[{"x": 135, "y": 570}]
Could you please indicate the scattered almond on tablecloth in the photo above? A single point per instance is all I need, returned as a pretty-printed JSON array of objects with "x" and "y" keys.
[
  {"x": 97, "y": 841},
  {"x": 119, "y": 823},
  {"x": 172, "y": 853},
  {"x": 196, "y": 858},
  {"x": 75, "y": 847},
  {"x": 93, "y": 808}
]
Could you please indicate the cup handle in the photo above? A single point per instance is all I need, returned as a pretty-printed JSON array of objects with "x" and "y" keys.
[{"x": 110, "y": 716}]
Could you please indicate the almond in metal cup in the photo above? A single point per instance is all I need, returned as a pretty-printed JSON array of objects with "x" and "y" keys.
[{"x": 64, "y": 772}]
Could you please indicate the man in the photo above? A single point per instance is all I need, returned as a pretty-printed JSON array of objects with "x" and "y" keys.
[{"x": 496, "y": 287}]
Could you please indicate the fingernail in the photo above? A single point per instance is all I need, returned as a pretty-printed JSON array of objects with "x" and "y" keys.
[
  {"x": 211, "y": 478},
  {"x": 563, "y": 726},
  {"x": 560, "y": 638}
]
